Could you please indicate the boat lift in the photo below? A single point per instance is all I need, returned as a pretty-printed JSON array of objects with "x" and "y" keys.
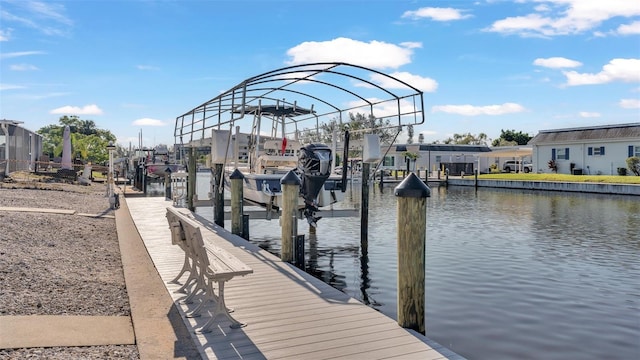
[{"x": 311, "y": 102}]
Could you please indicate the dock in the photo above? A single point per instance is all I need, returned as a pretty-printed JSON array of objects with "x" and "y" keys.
[{"x": 289, "y": 313}]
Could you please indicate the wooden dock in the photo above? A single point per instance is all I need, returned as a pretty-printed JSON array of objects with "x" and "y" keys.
[{"x": 289, "y": 313}]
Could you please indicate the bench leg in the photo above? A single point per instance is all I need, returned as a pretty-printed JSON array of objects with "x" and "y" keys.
[
  {"x": 199, "y": 285},
  {"x": 185, "y": 267},
  {"x": 193, "y": 276},
  {"x": 221, "y": 309}
]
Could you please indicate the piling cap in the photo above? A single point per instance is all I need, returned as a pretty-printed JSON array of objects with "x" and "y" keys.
[
  {"x": 290, "y": 179},
  {"x": 412, "y": 186},
  {"x": 236, "y": 174}
]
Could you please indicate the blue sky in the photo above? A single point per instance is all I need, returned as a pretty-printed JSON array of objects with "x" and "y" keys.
[{"x": 134, "y": 66}]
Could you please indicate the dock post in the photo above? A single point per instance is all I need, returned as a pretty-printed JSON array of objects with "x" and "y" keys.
[
  {"x": 167, "y": 185},
  {"x": 412, "y": 196},
  {"x": 218, "y": 195},
  {"x": 236, "y": 202},
  {"x": 288, "y": 218},
  {"x": 475, "y": 183},
  {"x": 364, "y": 211},
  {"x": 191, "y": 178}
]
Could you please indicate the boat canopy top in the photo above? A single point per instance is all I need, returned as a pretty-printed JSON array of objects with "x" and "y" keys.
[{"x": 303, "y": 98}]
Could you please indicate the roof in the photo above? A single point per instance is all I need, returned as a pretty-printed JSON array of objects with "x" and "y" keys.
[
  {"x": 509, "y": 152},
  {"x": 604, "y": 132},
  {"x": 445, "y": 147}
]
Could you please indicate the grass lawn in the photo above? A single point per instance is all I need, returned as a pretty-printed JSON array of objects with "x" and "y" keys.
[{"x": 614, "y": 179}]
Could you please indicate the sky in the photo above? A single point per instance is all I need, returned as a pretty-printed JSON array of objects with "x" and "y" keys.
[{"x": 484, "y": 66}]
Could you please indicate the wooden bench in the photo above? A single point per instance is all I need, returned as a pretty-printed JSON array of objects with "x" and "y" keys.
[{"x": 207, "y": 264}]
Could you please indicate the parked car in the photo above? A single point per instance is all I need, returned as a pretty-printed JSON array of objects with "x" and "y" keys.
[{"x": 514, "y": 165}]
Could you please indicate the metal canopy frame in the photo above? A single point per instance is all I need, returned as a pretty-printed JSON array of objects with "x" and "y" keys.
[{"x": 304, "y": 97}]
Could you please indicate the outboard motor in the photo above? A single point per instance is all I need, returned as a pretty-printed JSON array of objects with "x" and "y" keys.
[{"x": 314, "y": 166}]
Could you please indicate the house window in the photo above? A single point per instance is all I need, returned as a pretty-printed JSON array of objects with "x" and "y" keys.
[
  {"x": 634, "y": 151},
  {"x": 388, "y": 161},
  {"x": 561, "y": 153},
  {"x": 596, "y": 151},
  {"x": 438, "y": 158}
]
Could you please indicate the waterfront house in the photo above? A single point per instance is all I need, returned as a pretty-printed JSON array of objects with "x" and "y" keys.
[
  {"x": 435, "y": 157},
  {"x": 594, "y": 150},
  {"x": 19, "y": 147}
]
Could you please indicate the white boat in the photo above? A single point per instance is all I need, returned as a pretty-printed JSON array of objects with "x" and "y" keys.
[{"x": 269, "y": 158}]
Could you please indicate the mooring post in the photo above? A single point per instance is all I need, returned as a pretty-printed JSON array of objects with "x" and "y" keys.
[
  {"x": 288, "y": 218},
  {"x": 236, "y": 179},
  {"x": 218, "y": 195},
  {"x": 412, "y": 196},
  {"x": 364, "y": 211},
  {"x": 476, "y": 178},
  {"x": 191, "y": 178},
  {"x": 167, "y": 185}
]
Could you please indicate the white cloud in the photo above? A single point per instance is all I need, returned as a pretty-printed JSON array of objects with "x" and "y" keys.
[
  {"x": 557, "y": 63},
  {"x": 565, "y": 17},
  {"x": 630, "y": 29},
  {"x": 471, "y": 110},
  {"x": 76, "y": 110},
  {"x": 625, "y": 70},
  {"x": 374, "y": 54},
  {"x": 148, "y": 122},
  {"x": 147, "y": 67},
  {"x": 422, "y": 83},
  {"x": 46, "y": 17},
  {"x": 10, "y": 87},
  {"x": 23, "y": 67},
  {"x": 5, "y": 34},
  {"x": 629, "y": 103},
  {"x": 586, "y": 114},
  {"x": 20, "y": 53},
  {"x": 436, "y": 14}
]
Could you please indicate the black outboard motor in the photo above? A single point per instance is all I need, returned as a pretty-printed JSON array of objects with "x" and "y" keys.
[{"x": 314, "y": 166}]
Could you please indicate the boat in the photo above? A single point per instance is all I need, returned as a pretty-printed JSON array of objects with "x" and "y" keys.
[
  {"x": 292, "y": 119},
  {"x": 270, "y": 157}
]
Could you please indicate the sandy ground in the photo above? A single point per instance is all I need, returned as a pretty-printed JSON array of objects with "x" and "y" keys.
[{"x": 53, "y": 264}]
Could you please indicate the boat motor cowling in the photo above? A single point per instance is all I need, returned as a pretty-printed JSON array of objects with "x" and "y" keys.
[{"x": 314, "y": 165}]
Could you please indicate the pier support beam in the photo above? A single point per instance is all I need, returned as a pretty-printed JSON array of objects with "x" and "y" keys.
[
  {"x": 288, "y": 218},
  {"x": 412, "y": 196},
  {"x": 236, "y": 202}
]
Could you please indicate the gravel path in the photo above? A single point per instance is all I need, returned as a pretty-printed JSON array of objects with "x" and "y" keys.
[{"x": 53, "y": 264}]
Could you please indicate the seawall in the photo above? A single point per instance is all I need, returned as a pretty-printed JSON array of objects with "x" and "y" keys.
[{"x": 598, "y": 188}]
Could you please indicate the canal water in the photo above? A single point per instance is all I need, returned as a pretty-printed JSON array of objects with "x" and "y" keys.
[{"x": 509, "y": 274}]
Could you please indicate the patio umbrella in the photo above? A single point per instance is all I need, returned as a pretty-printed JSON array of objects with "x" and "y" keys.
[{"x": 66, "y": 149}]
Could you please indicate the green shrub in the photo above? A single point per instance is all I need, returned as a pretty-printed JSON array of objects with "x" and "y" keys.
[{"x": 622, "y": 171}]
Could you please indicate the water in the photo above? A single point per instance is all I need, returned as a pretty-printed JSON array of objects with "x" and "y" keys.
[{"x": 509, "y": 274}]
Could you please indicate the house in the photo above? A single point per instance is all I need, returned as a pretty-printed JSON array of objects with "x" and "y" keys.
[
  {"x": 434, "y": 157},
  {"x": 594, "y": 150},
  {"x": 19, "y": 147}
]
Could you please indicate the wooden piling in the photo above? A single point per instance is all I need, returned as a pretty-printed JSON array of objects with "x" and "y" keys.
[
  {"x": 364, "y": 210},
  {"x": 191, "y": 179},
  {"x": 236, "y": 179},
  {"x": 288, "y": 218},
  {"x": 412, "y": 196},
  {"x": 218, "y": 195}
]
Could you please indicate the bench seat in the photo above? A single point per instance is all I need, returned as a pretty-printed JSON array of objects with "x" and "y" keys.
[{"x": 207, "y": 265}]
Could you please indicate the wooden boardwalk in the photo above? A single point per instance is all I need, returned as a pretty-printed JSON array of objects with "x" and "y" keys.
[{"x": 290, "y": 314}]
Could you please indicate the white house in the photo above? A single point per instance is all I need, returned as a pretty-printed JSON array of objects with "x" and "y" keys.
[
  {"x": 594, "y": 150},
  {"x": 434, "y": 157}
]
